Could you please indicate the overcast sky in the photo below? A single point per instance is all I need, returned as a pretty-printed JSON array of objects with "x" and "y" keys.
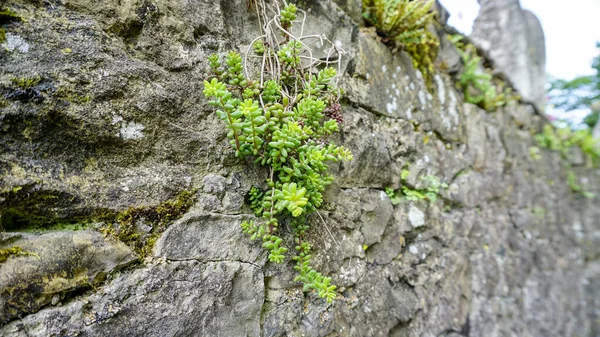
[{"x": 572, "y": 29}]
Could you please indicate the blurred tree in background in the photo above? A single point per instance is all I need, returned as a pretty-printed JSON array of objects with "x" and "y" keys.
[{"x": 582, "y": 92}]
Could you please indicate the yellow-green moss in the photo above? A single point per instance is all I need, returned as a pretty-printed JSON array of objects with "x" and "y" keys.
[
  {"x": 2, "y": 35},
  {"x": 16, "y": 219},
  {"x": 26, "y": 82},
  {"x": 5, "y": 253},
  {"x": 70, "y": 95},
  {"x": 22, "y": 208},
  {"x": 7, "y": 16},
  {"x": 27, "y": 211},
  {"x": 123, "y": 225},
  {"x": 406, "y": 23}
]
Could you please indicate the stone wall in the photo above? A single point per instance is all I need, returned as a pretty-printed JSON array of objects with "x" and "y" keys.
[
  {"x": 514, "y": 40},
  {"x": 117, "y": 119}
]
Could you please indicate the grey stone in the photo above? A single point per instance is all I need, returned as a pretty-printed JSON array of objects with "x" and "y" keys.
[
  {"x": 483, "y": 263},
  {"x": 185, "y": 298},
  {"x": 215, "y": 238},
  {"x": 213, "y": 183},
  {"x": 232, "y": 202},
  {"x": 376, "y": 214},
  {"x": 352, "y": 8},
  {"x": 383, "y": 87},
  {"x": 208, "y": 202},
  {"x": 449, "y": 55},
  {"x": 514, "y": 40},
  {"x": 15, "y": 42},
  {"x": 442, "y": 13},
  {"x": 416, "y": 217}
]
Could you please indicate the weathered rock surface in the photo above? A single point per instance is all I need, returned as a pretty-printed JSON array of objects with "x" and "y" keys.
[
  {"x": 218, "y": 238},
  {"x": 514, "y": 40},
  {"x": 185, "y": 298},
  {"x": 508, "y": 250},
  {"x": 53, "y": 264}
]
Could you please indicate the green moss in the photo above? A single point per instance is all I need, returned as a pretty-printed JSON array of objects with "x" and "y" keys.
[
  {"x": 70, "y": 95},
  {"x": 15, "y": 219},
  {"x": 26, "y": 82},
  {"x": 8, "y": 16},
  {"x": 430, "y": 192},
  {"x": 481, "y": 88},
  {"x": 122, "y": 225},
  {"x": 538, "y": 211},
  {"x": 6, "y": 253},
  {"x": 563, "y": 139},
  {"x": 30, "y": 214},
  {"x": 23, "y": 208},
  {"x": 573, "y": 183},
  {"x": 406, "y": 23}
]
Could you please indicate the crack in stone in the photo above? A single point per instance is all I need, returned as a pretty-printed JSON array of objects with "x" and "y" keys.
[{"x": 211, "y": 261}]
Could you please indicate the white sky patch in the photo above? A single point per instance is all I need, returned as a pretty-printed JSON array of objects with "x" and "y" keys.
[{"x": 571, "y": 31}]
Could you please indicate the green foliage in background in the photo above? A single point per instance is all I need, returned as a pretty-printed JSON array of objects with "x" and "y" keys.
[
  {"x": 582, "y": 92},
  {"x": 430, "y": 192},
  {"x": 284, "y": 121},
  {"x": 563, "y": 139},
  {"x": 406, "y": 23},
  {"x": 573, "y": 183}
]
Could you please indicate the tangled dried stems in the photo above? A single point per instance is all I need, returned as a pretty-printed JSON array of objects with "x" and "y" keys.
[{"x": 274, "y": 35}]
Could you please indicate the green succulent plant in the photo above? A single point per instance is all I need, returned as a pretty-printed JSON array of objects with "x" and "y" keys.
[{"x": 283, "y": 122}]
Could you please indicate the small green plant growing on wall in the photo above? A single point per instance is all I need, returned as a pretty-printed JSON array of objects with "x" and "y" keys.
[
  {"x": 479, "y": 87},
  {"x": 433, "y": 186},
  {"x": 534, "y": 153},
  {"x": 282, "y": 120},
  {"x": 538, "y": 211},
  {"x": 405, "y": 23}
]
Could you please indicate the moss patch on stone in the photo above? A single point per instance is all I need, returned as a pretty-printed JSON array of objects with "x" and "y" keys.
[
  {"x": 26, "y": 82},
  {"x": 8, "y": 252},
  {"x": 70, "y": 95},
  {"x": 128, "y": 225},
  {"x": 8, "y": 16},
  {"x": 24, "y": 208}
]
